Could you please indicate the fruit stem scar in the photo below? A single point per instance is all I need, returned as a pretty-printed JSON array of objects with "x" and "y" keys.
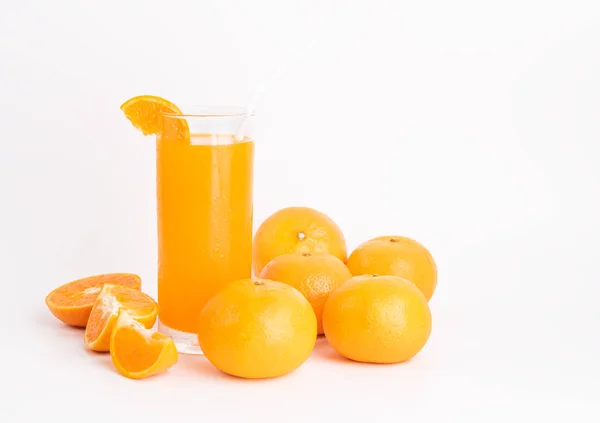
[
  {"x": 301, "y": 235},
  {"x": 258, "y": 283},
  {"x": 306, "y": 254},
  {"x": 394, "y": 240}
]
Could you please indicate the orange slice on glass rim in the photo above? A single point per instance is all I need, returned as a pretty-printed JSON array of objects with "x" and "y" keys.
[
  {"x": 138, "y": 352},
  {"x": 72, "y": 302},
  {"x": 146, "y": 113},
  {"x": 112, "y": 300}
]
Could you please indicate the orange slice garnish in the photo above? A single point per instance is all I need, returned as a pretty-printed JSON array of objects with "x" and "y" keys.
[
  {"x": 113, "y": 299},
  {"x": 146, "y": 113},
  {"x": 138, "y": 352},
  {"x": 72, "y": 302}
]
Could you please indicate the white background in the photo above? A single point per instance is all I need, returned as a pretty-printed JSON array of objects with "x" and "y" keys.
[{"x": 470, "y": 125}]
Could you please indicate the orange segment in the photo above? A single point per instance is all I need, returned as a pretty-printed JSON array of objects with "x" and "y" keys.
[
  {"x": 109, "y": 303},
  {"x": 146, "y": 112},
  {"x": 72, "y": 302},
  {"x": 138, "y": 352}
]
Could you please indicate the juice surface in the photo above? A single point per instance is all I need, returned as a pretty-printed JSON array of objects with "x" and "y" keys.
[{"x": 204, "y": 193}]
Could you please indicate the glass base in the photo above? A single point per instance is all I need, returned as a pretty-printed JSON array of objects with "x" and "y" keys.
[{"x": 186, "y": 343}]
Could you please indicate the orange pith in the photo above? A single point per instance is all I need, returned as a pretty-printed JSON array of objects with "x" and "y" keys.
[
  {"x": 72, "y": 302},
  {"x": 110, "y": 302},
  {"x": 138, "y": 352}
]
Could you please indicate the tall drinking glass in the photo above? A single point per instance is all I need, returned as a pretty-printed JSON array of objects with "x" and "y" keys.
[{"x": 204, "y": 195}]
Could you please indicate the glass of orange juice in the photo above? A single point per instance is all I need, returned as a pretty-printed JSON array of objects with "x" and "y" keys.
[{"x": 204, "y": 196}]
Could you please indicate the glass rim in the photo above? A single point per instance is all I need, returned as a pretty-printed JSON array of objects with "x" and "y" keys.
[{"x": 210, "y": 112}]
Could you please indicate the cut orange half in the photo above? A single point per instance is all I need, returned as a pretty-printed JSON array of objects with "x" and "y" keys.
[
  {"x": 146, "y": 113},
  {"x": 138, "y": 352},
  {"x": 72, "y": 302},
  {"x": 110, "y": 302}
]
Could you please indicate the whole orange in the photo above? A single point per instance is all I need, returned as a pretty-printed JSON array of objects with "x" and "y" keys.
[
  {"x": 313, "y": 274},
  {"x": 396, "y": 255},
  {"x": 296, "y": 230},
  {"x": 257, "y": 328},
  {"x": 377, "y": 319}
]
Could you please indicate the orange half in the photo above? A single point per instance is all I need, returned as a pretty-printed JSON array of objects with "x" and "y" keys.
[
  {"x": 110, "y": 302},
  {"x": 146, "y": 113},
  {"x": 138, "y": 352},
  {"x": 72, "y": 302}
]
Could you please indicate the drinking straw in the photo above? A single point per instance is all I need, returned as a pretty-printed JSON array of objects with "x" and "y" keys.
[{"x": 277, "y": 74}]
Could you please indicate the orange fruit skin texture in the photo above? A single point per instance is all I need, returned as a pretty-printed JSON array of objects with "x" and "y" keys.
[
  {"x": 377, "y": 319},
  {"x": 257, "y": 328},
  {"x": 296, "y": 230},
  {"x": 137, "y": 352},
  {"x": 315, "y": 275},
  {"x": 72, "y": 302},
  {"x": 398, "y": 256},
  {"x": 141, "y": 307}
]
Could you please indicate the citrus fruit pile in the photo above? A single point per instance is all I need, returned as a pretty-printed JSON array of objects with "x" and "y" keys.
[{"x": 372, "y": 306}]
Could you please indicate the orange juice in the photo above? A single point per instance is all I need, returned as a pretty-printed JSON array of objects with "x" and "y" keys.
[{"x": 204, "y": 192}]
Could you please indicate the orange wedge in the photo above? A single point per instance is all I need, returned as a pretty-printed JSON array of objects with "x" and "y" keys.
[
  {"x": 138, "y": 352},
  {"x": 112, "y": 300},
  {"x": 146, "y": 112},
  {"x": 72, "y": 302}
]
